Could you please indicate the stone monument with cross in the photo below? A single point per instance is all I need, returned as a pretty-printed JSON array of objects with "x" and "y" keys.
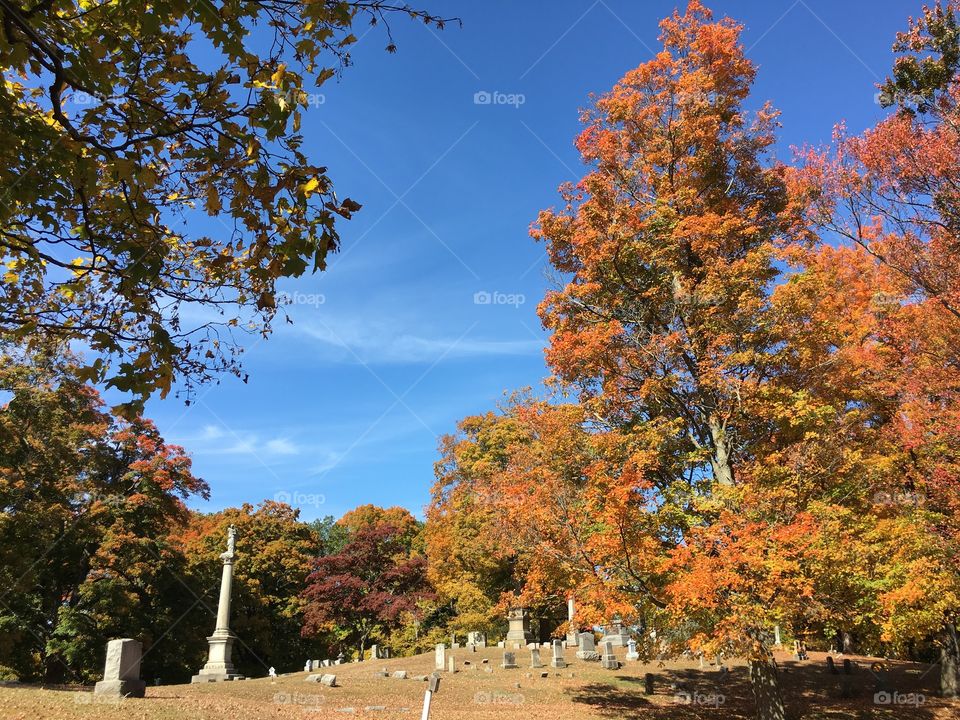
[{"x": 219, "y": 665}]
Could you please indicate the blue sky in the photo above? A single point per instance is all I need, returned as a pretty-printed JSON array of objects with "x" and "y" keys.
[{"x": 390, "y": 346}]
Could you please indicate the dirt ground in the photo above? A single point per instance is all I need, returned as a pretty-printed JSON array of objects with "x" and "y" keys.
[{"x": 485, "y": 690}]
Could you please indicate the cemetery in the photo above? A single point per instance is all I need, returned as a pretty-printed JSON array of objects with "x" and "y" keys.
[
  {"x": 480, "y": 360},
  {"x": 395, "y": 688}
]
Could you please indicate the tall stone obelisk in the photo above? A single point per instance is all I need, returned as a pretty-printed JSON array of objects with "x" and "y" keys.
[{"x": 218, "y": 665}]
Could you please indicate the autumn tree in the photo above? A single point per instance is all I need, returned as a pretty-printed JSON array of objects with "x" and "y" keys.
[
  {"x": 368, "y": 588},
  {"x": 892, "y": 193},
  {"x": 470, "y": 564},
  {"x": 119, "y": 135},
  {"x": 671, "y": 244},
  {"x": 408, "y": 528},
  {"x": 86, "y": 502}
]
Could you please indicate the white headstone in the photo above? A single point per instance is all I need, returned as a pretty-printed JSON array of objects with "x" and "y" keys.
[
  {"x": 609, "y": 661},
  {"x": 557, "y": 660},
  {"x": 121, "y": 672},
  {"x": 440, "y": 657},
  {"x": 587, "y": 647}
]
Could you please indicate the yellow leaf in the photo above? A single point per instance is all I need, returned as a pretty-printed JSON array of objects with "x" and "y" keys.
[{"x": 213, "y": 199}]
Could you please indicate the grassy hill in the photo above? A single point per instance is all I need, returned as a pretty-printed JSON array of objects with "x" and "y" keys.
[{"x": 485, "y": 690}]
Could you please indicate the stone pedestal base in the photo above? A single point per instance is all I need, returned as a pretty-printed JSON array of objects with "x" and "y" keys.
[
  {"x": 218, "y": 667},
  {"x": 120, "y": 688},
  {"x": 617, "y": 639}
]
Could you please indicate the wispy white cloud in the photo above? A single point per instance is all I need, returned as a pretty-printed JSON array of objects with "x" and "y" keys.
[
  {"x": 380, "y": 343},
  {"x": 281, "y": 446},
  {"x": 217, "y": 440}
]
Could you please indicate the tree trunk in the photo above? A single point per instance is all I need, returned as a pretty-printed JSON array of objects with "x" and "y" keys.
[
  {"x": 720, "y": 462},
  {"x": 765, "y": 682},
  {"x": 949, "y": 662}
]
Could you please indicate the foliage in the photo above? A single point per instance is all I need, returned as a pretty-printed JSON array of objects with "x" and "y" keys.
[
  {"x": 87, "y": 499},
  {"x": 372, "y": 586},
  {"x": 123, "y": 125}
]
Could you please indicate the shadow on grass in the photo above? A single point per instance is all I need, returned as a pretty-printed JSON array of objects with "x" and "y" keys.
[{"x": 810, "y": 692}]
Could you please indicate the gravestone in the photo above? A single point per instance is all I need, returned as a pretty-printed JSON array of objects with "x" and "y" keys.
[
  {"x": 322, "y": 678},
  {"x": 846, "y": 688},
  {"x": 847, "y": 667},
  {"x": 881, "y": 678},
  {"x": 451, "y": 664},
  {"x": 831, "y": 666},
  {"x": 121, "y": 672},
  {"x": 399, "y": 675},
  {"x": 518, "y": 634},
  {"x": 571, "y": 627},
  {"x": 648, "y": 684},
  {"x": 373, "y": 652},
  {"x": 535, "y": 658},
  {"x": 219, "y": 666},
  {"x": 615, "y": 634},
  {"x": 440, "y": 657},
  {"x": 776, "y": 637},
  {"x": 557, "y": 661},
  {"x": 477, "y": 639},
  {"x": 609, "y": 661},
  {"x": 632, "y": 653},
  {"x": 272, "y": 672},
  {"x": 587, "y": 645},
  {"x": 509, "y": 660},
  {"x": 308, "y": 666}
]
